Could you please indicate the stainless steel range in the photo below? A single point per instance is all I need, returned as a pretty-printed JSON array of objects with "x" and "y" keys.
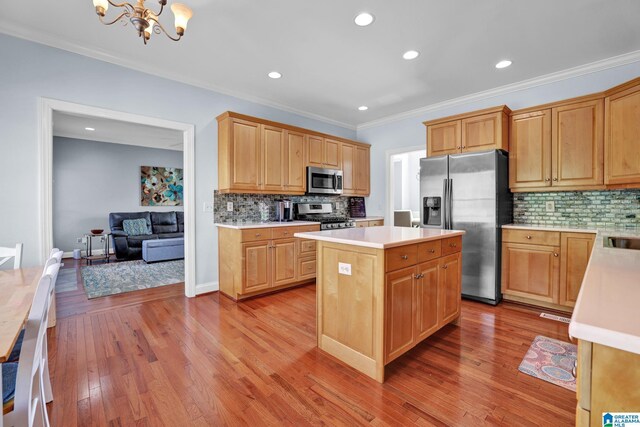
[{"x": 322, "y": 213}]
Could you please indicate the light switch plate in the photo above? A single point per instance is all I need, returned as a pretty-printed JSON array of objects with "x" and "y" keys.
[
  {"x": 344, "y": 268},
  {"x": 229, "y": 206},
  {"x": 207, "y": 207},
  {"x": 550, "y": 206}
]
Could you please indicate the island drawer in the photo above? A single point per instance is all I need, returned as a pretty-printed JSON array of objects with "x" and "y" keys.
[
  {"x": 532, "y": 237},
  {"x": 401, "y": 257},
  {"x": 429, "y": 250},
  {"x": 451, "y": 245},
  {"x": 255, "y": 234}
]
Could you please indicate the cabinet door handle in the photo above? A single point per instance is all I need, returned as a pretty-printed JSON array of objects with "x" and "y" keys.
[
  {"x": 452, "y": 245},
  {"x": 464, "y": 146},
  {"x": 555, "y": 254},
  {"x": 404, "y": 257},
  {"x": 286, "y": 232},
  {"x": 547, "y": 179},
  {"x": 459, "y": 147},
  {"x": 555, "y": 179},
  {"x": 432, "y": 251},
  {"x": 445, "y": 266},
  {"x": 528, "y": 237},
  {"x": 258, "y": 234}
]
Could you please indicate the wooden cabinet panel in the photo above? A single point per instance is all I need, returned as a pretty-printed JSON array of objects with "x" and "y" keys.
[
  {"x": 294, "y": 163},
  {"x": 622, "y": 137},
  {"x": 530, "y": 271},
  {"x": 315, "y": 151},
  {"x": 284, "y": 262},
  {"x": 483, "y": 133},
  {"x": 427, "y": 299},
  {"x": 273, "y": 145},
  {"x": 254, "y": 234},
  {"x": 531, "y": 237},
  {"x": 429, "y": 250},
  {"x": 245, "y": 155},
  {"x": 362, "y": 224},
  {"x": 306, "y": 247},
  {"x": 332, "y": 158},
  {"x": 401, "y": 257},
  {"x": 376, "y": 223},
  {"x": 451, "y": 245},
  {"x": 400, "y": 312},
  {"x": 306, "y": 268},
  {"x": 444, "y": 138},
  {"x": 576, "y": 250},
  {"x": 578, "y": 144},
  {"x": 450, "y": 288},
  {"x": 530, "y": 150},
  {"x": 256, "y": 268},
  {"x": 349, "y": 169},
  {"x": 362, "y": 170}
]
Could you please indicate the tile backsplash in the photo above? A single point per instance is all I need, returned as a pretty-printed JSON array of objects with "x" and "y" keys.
[
  {"x": 592, "y": 209},
  {"x": 245, "y": 206}
]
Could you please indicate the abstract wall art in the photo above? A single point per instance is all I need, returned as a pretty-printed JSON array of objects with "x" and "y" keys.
[{"x": 160, "y": 186}]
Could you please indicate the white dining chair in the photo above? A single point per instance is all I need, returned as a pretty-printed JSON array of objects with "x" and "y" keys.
[
  {"x": 16, "y": 253},
  {"x": 29, "y": 408},
  {"x": 52, "y": 271}
]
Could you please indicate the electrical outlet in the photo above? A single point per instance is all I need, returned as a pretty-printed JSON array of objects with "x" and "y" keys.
[
  {"x": 207, "y": 207},
  {"x": 344, "y": 268},
  {"x": 229, "y": 206},
  {"x": 79, "y": 240},
  {"x": 550, "y": 206}
]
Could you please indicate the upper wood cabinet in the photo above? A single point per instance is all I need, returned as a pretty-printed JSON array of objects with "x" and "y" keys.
[
  {"x": 476, "y": 131},
  {"x": 355, "y": 169},
  {"x": 559, "y": 147},
  {"x": 260, "y": 156},
  {"x": 622, "y": 135}
]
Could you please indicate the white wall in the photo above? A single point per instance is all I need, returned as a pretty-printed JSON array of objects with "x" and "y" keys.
[
  {"x": 410, "y": 132},
  {"x": 30, "y": 70},
  {"x": 92, "y": 179}
]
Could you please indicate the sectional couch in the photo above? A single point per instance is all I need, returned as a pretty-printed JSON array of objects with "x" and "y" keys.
[{"x": 161, "y": 225}]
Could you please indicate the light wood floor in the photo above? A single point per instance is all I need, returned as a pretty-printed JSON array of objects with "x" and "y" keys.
[{"x": 154, "y": 357}]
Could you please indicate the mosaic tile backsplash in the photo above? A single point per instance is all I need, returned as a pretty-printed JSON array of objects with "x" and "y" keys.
[
  {"x": 246, "y": 206},
  {"x": 590, "y": 209}
]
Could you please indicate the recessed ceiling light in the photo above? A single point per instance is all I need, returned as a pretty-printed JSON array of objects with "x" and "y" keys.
[
  {"x": 364, "y": 19},
  {"x": 411, "y": 54},
  {"x": 90, "y": 129},
  {"x": 503, "y": 64},
  {"x": 275, "y": 75},
  {"x": 363, "y": 108}
]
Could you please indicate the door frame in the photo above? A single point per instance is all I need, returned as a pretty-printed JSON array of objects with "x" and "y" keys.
[
  {"x": 46, "y": 107},
  {"x": 389, "y": 192}
]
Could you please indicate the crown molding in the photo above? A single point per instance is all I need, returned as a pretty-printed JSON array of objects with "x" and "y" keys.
[
  {"x": 592, "y": 67},
  {"x": 30, "y": 34}
]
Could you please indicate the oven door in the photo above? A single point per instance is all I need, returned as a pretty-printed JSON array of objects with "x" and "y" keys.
[{"x": 324, "y": 181}]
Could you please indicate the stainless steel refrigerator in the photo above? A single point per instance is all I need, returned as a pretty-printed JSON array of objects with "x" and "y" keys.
[{"x": 470, "y": 192}]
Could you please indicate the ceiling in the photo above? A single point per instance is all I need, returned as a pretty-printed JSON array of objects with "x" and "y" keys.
[
  {"x": 329, "y": 65},
  {"x": 115, "y": 131}
]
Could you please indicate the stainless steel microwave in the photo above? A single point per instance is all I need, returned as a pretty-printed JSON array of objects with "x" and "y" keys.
[{"x": 324, "y": 181}]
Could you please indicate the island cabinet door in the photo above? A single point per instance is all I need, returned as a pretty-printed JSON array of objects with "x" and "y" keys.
[
  {"x": 256, "y": 266},
  {"x": 427, "y": 282},
  {"x": 284, "y": 261},
  {"x": 450, "y": 288},
  {"x": 399, "y": 312}
]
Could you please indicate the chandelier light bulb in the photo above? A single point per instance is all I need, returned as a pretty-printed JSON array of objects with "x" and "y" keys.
[
  {"x": 182, "y": 13},
  {"x": 101, "y": 6}
]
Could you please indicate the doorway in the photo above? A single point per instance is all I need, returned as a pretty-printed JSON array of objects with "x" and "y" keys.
[
  {"x": 47, "y": 108},
  {"x": 403, "y": 183}
]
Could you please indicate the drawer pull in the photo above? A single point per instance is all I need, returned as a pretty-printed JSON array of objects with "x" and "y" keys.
[
  {"x": 529, "y": 237},
  {"x": 286, "y": 232},
  {"x": 555, "y": 254},
  {"x": 453, "y": 245},
  {"x": 432, "y": 251},
  {"x": 404, "y": 256},
  {"x": 445, "y": 266},
  {"x": 258, "y": 234},
  {"x": 419, "y": 276}
]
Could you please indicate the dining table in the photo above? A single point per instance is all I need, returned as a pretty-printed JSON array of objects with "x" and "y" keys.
[{"x": 17, "y": 289}]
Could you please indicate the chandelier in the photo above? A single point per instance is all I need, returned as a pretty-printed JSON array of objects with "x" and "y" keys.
[{"x": 144, "y": 20}]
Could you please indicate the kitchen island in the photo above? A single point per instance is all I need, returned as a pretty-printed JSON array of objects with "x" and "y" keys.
[{"x": 382, "y": 290}]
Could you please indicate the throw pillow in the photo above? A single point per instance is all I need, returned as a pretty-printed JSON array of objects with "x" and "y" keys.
[{"x": 135, "y": 227}]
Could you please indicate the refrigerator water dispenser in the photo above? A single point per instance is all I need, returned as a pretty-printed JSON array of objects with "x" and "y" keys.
[{"x": 432, "y": 213}]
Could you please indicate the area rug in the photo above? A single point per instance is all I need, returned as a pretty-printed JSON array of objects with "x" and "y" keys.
[
  {"x": 551, "y": 360},
  {"x": 116, "y": 278},
  {"x": 67, "y": 280}
]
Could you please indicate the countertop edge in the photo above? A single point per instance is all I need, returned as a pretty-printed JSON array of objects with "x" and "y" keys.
[
  {"x": 265, "y": 225},
  {"x": 606, "y": 337},
  {"x": 305, "y": 235}
]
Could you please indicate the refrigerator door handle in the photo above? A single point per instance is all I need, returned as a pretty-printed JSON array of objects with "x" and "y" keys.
[
  {"x": 445, "y": 215},
  {"x": 450, "y": 204}
]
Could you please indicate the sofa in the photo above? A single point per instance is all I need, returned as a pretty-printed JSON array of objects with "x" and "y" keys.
[{"x": 161, "y": 225}]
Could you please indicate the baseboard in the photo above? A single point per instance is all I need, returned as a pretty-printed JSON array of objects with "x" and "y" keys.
[
  {"x": 203, "y": 288},
  {"x": 95, "y": 252}
]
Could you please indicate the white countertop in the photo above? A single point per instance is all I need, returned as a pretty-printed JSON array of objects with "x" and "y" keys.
[
  {"x": 368, "y": 218},
  {"x": 270, "y": 224},
  {"x": 607, "y": 311},
  {"x": 382, "y": 237}
]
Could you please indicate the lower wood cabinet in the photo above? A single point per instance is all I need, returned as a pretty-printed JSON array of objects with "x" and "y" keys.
[
  {"x": 544, "y": 267},
  {"x": 370, "y": 223},
  {"x": 419, "y": 299},
  {"x": 254, "y": 261}
]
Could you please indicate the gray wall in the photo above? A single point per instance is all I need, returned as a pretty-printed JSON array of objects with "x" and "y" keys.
[
  {"x": 92, "y": 179},
  {"x": 29, "y": 70}
]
